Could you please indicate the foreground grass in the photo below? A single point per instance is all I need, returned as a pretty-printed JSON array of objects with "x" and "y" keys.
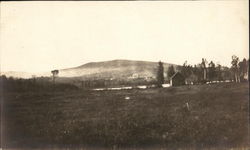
[{"x": 217, "y": 117}]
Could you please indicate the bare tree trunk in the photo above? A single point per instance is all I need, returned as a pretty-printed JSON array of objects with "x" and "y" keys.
[
  {"x": 53, "y": 79},
  {"x": 205, "y": 74},
  {"x": 237, "y": 77}
]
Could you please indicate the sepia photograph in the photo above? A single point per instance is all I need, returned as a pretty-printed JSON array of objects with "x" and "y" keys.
[{"x": 124, "y": 75}]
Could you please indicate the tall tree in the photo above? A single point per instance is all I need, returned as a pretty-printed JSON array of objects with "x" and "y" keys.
[
  {"x": 171, "y": 71},
  {"x": 218, "y": 72},
  {"x": 204, "y": 67},
  {"x": 160, "y": 75},
  {"x": 54, "y": 74},
  {"x": 198, "y": 71},
  {"x": 243, "y": 68},
  {"x": 235, "y": 68},
  {"x": 211, "y": 70},
  {"x": 186, "y": 70}
]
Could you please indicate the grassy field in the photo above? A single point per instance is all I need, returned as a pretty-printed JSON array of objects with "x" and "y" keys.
[{"x": 156, "y": 118}]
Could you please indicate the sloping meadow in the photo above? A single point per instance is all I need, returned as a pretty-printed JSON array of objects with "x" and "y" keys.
[{"x": 186, "y": 116}]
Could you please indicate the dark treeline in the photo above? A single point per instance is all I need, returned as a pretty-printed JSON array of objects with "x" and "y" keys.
[
  {"x": 35, "y": 84},
  {"x": 209, "y": 71}
]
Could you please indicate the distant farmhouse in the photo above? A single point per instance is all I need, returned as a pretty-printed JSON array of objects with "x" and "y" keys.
[{"x": 177, "y": 79}]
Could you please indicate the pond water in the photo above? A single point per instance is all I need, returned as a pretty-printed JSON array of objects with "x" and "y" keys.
[{"x": 130, "y": 87}]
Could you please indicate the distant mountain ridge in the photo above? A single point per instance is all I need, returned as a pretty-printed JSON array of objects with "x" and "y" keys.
[
  {"x": 118, "y": 69},
  {"x": 114, "y": 69}
]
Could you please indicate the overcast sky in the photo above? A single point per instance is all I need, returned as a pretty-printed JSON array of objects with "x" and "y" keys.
[{"x": 41, "y": 36}]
